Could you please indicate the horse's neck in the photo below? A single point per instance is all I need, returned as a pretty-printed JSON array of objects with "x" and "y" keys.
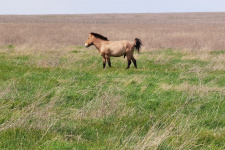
[{"x": 98, "y": 43}]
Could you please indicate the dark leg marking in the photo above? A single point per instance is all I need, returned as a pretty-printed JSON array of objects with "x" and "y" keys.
[
  {"x": 104, "y": 65},
  {"x": 124, "y": 55},
  {"x": 134, "y": 61},
  {"x": 109, "y": 63},
  {"x": 129, "y": 62},
  {"x": 108, "y": 60},
  {"x": 104, "y": 61}
]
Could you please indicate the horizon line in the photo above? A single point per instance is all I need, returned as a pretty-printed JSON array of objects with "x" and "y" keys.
[{"x": 113, "y": 13}]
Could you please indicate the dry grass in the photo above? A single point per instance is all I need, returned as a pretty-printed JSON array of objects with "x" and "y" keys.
[
  {"x": 201, "y": 90},
  {"x": 216, "y": 62},
  {"x": 101, "y": 107},
  {"x": 48, "y": 115},
  {"x": 177, "y": 127},
  {"x": 196, "y": 31}
]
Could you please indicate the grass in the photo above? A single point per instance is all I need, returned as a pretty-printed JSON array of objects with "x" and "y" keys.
[
  {"x": 65, "y": 100},
  {"x": 190, "y": 31},
  {"x": 218, "y": 52}
]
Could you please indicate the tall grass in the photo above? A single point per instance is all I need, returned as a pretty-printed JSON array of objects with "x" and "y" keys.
[{"x": 192, "y": 31}]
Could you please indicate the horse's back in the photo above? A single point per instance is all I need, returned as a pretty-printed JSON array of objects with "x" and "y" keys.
[
  {"x": 117, "y": 48},
  {"x": 121, "y": 44}
]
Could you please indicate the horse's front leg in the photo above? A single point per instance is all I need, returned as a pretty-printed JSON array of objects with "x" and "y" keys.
[
  {"x": 104, "y": 61},
  {"x": 108, "y": 60},
  {"x": 129, "y": 62}
]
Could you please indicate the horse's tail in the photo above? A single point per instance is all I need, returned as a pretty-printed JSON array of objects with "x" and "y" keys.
[{"x": 138, "y": 44}]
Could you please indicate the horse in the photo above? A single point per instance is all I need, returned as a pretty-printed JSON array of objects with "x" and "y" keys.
[{"x": 114, "y": 48}]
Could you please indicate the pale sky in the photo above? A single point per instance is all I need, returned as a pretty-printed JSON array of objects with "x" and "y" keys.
[{"x": 108, "y": 6}]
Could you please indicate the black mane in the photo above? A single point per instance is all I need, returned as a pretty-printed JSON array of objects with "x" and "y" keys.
[{"x": 99, "y": 36}]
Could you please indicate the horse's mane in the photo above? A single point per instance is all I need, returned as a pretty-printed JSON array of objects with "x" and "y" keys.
[{"x": 99, "y": 36}]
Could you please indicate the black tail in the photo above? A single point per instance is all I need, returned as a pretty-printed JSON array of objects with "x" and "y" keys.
[{"x": 138, "y": 44}]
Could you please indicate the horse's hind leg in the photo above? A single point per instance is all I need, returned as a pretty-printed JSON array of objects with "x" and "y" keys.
[
  {"x": 108, "y": 60},
  {"x": 134, "y": 61}
]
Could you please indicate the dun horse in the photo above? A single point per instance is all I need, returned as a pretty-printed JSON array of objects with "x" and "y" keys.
[{"x": 114, "y": 48}]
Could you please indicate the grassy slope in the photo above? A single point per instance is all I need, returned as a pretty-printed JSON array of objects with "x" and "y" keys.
[{"x": 55, "y": 100}]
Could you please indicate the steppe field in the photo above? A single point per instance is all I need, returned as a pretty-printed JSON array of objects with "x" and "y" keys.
[{"x": 54, "y": 93}]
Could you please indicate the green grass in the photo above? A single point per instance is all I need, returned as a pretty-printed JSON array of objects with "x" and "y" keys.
[
  {"x": 217, "y": 52},
  {"x": 70, "y": 102}
]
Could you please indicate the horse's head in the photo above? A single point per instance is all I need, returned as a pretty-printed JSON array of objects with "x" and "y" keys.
[{"x": 89, "y": 41}]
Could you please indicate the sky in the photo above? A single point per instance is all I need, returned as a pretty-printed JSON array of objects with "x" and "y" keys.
[{"x": 27, "y": 7}]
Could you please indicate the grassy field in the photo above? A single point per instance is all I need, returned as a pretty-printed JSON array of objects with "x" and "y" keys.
[
  {"x": 54, "y": 93},
  {"x": 65, "y": 100},
  {"x": 190, "y": 31}
]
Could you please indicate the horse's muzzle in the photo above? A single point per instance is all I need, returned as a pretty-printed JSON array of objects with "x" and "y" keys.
[{"x": 86, "y": 45}]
